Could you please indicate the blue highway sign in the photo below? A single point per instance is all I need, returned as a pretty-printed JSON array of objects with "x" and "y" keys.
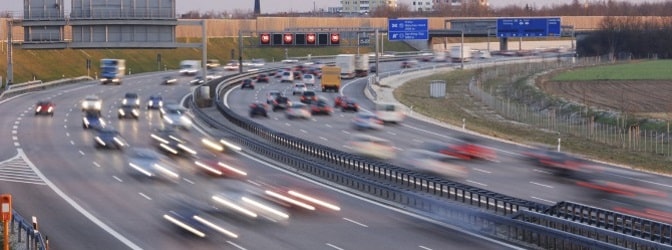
[
  {"x": 528, "y": 27},
  {"x": 407, "y": 29}
]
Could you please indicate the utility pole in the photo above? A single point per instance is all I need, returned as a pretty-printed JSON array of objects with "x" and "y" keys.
[
  {"x": 204, "y": 50},
  {"x": 10, "y": 59}
]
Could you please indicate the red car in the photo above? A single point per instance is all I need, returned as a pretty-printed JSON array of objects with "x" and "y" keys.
[
  {"x": 308, "y": 97},
  {"x": 465, "y": 149},
  {"x": 44, "y": 108},
  {"x": 321, "y": 107},
  {"x": 263, "y": 78},
  {"x": 339, "y": 101}
]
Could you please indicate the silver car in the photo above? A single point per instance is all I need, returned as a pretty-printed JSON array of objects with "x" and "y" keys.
[
  {"x": 299, "y": 88},
  {"x": 149, "y": 163},
  {"x": 174, "y": 115},
  {"x": 298, "y": 110}
]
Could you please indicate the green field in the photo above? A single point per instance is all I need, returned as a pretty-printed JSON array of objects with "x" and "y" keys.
[
  {"x": 48, "y": 65},
  {"x": 645, "y": 70}
]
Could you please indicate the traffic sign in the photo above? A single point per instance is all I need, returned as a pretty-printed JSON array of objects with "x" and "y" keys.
[
  {"x": 528, "y": 27},
  {"x": 364, "y": 41},
  {"x": 407, "y": 29}
]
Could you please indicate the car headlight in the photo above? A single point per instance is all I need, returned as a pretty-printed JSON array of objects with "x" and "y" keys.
[
  {"x": 86, "y": 121},
  {"x": 102, "y": 122},
  {"x": 119, "y": 141},
  {"x": 100, "y": 141},
  {"x": 50, "y": 109},
  {"x": 125, "y": 101},
  {"x": 137, "y": 101},
  {"x": 98, "y": 105},
  {"x": 38, "y": 109},
  {"x": 121, "y": 112},
  {"x": 185, "y": 120},
  {"x": 135, "y": 112},
  {"x": 168, "y": 120}
]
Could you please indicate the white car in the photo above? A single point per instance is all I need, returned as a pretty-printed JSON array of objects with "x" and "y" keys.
[
  {"x": 298, "y": 110},
  {"x": 309, "y": 79},
  {"x": 299, "y": 88},
  {"x": 258, "y": 63},
  {"x": 92, "y": 103},
  {"x": 174, "y": 115},
  {"x": 434, "y": 162},
  {"x": 231, "y": 65},
  {"x": 290, "y": 61},
  {"x": 372, "y": 146}
]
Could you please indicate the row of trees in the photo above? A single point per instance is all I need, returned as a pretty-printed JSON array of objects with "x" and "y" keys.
[
  {"x": 630, "y": 36},
  {"x": 475, "y": 8}
]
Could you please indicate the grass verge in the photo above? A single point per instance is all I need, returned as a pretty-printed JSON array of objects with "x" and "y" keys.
[
  {"x": 459, "y": 105},
  {"x": 645, "y": 70}
]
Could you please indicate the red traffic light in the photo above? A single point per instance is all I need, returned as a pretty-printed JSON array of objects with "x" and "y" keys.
[
  {"x": 287, "y": 38},
  {"x": 335, "y": 38},
  {"x": 265, "y": 38},
  {"x": 311, "y": 38}
]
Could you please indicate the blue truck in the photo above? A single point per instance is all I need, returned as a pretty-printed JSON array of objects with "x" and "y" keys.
[{"x": 112, "y": 70}]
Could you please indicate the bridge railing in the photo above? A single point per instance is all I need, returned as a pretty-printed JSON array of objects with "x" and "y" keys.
[{"x": 26, "y": 234}]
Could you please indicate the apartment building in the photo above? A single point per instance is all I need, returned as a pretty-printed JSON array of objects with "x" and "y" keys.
[{"x": 365, "y": 6}]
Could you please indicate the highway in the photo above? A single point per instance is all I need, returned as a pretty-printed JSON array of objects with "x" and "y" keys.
[
  {"x": 86, "y": 198},
  {"x": 509, "y": 174}
]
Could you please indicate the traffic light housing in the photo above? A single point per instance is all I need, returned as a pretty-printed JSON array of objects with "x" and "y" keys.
[
  {"x": 265, "y": 39},
  {"x": 311, "y": 39},
  {"x": 300, "y": 38},
  {"x": 335, "y": 38}
]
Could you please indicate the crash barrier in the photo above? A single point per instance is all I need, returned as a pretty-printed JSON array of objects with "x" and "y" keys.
[
  {"x": 18, "y": 85},
  {"x": 35, "y": 87},
  {"x": 383, "y": 181},
  {"x": 26, "y": 233}
]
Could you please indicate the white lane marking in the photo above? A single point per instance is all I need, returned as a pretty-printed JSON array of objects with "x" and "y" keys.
[
  {"x": 482, "y": 171},
  {"x": 96, "y": 164},
  {"x": 391, "y": 133},
  {"x": 72, "y": 142},
  {"x": 187, "y": 180},
  {"x": 20, "y": 116},
  {"x": 65, "y": 126},
  {"x": 144, "y": 195},
  {"x": 322, "y": 138},
  {"x": 17, "y": 122},
  {"x": 416, "y": 140},
  {"x": 79, "y": 208},
  {"x": 65, "y": 120},
  {"x": 117, "y": 178},
  {"x": 235, "y": 245},
  {"x": 67, "y": 134},
  {"x": 15, "y": 127},
  {"x": 541, "y": 171},
  {"x": 650, "y": 182},
  {"x": 544, "y": 200},
  {"x": 16, "y": 144},
  {"x": 539, "y": 184},
  {"x": 424, "y": 247},
  {"x": 328, "y": 126},
  {"x": 80, "y": 152},
  {"x": 13, "y": 131},
  {"x": 287, "y": 124},
  {"x": 303, "y": 131},
  {"x": 345, "y": 132},
  {"x": 477, "y": 183},
  {"x": 14, "y": 138},
  {"x": 335, "y": 247},
  {"x": 356, "y": 222}
]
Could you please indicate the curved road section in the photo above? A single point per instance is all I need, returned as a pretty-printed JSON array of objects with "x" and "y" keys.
[{"x": 88, "y": 198}]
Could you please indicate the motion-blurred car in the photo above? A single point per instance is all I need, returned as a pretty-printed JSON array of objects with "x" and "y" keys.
[
  {"x": 110, "y": 139},
  {"x": 286, "y": 76},
  {"x": 128, "y": 111},
  {"x": 232, "y": 65},
  {"x": 298, "y": 75},
  {"x": 321, "y": 107},
  {"x": 168, "y": 80},
  {"x": 434, "y": 163},
  {"x": 270, "y": 97},
  {"x": 465, "y": 148},
  {"x": 372, "y": 146},
  {"x": 257, "y": 63},
  {"x": 309, "y": 79},
  {"x": 299, "y": 88},
  {"x": 366, "y": 120},
  {"x": 258, "y": 109},
  {"x": 210, "y": 164},
  {"x": 308, "y": 97},
  {"x": 350, "y": 105},
  {"x": 339, "y": 101},
  {"x": 559, "y": 163},
  {"x": 174, "y": 115},
  {"x": 44, "y": 108},
  {"x": 92, "y": 103},
  {"x": 191, "y": 219},
  {"x": 373, "y": 68},
  {"x": 294, "y": 194},
  {"x": 409, "y": 63},
  {"x": 131, "y": 99},
  {"x": 93, "y": 119},
  {"x": 155, "y": 102},
  {"x": 244, "y": 199},
  {"x": 247, "y": 84},
  {"x": 171, "y": 143},
  {"x": 298, "y": 110},
  {"x": 281, "y": 103},
  {"x": 150, "y": 164},
  {"x": 263, "y": 78}
]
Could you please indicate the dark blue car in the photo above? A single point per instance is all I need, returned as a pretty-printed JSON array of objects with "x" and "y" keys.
[
  {"x": 92, "y": 120},
  {"x": 155, "y": 102},
  {"x": 109, "y": 138}
]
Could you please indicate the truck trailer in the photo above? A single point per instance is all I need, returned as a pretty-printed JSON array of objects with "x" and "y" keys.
[
  {"x": 362, "y": 65},
  {"x": 112, "y": 70},
  {"x": 347, "y": 64}
]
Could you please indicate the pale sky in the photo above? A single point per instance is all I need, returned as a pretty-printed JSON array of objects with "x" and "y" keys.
[{"x": 274, "y": 6}]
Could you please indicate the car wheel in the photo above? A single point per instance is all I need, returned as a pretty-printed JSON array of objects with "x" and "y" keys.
[
  {"x": 35, "y": 113},
  {"x": 84, "y": 126},
  {"x": 52, "y": 114}
]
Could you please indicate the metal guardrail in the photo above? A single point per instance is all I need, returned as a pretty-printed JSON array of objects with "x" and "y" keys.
[
  {"x": 498, "y": 215},
  {"x": 17, "y": 90},
  {"x": 33, "y": 238}
]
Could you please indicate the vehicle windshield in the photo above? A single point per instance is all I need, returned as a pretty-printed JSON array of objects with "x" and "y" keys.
[
  {"x": 309, "y": 93},
  {"x": 175, "y": 111}
]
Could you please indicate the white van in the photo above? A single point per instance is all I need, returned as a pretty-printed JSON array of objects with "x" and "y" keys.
[
  {"x": 372, "y": 146},
  {"x": 287, "y": 76},
  {"x": 390, "y": 112}
]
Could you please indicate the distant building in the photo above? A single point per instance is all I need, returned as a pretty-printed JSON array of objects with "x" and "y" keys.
[
  {"x": 334, "y": 9},
  {"x": 365, "y": 6},
  {"x": 428, "y": 5}
]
